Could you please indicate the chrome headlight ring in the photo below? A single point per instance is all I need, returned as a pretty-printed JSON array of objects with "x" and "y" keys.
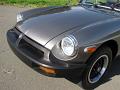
[{"x": 68, "y": 45}]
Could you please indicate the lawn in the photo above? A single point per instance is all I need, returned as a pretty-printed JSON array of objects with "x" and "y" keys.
[{"x": 37, "y": 3}]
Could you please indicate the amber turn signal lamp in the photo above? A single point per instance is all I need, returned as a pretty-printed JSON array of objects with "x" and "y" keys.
[
  {"x": 90, "y": 49},
  {"x": 48, "y": 70}
]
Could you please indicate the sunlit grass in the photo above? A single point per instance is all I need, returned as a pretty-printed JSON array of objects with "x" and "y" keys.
[{"x": 38, "y": 3}]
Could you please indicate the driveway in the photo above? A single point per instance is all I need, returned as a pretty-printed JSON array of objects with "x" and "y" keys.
[{"x": 15, "y": 75}]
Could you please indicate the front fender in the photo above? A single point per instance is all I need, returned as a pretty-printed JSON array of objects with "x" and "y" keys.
[
  {"x": 94, "y": 34},
  {"x": 98, "y": 33}
]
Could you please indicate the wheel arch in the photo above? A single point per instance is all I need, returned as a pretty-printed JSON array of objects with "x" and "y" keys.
[{"x": 112, "y": 44}]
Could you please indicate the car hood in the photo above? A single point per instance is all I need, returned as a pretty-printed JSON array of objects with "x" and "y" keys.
[{"x": 46, "y": 25}]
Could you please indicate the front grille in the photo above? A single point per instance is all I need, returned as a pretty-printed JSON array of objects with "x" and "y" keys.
[
  {"x": 27, "y": 48},
  {"x": 30, "y": 50}
]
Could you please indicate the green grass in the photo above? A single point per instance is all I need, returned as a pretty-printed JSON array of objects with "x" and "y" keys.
[{"x": 37, "y": 3}]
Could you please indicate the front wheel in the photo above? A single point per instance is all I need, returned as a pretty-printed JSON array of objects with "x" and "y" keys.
[{"x": 97, "y": 67}]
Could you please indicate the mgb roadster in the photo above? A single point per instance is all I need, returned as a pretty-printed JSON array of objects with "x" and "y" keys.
[{"x": 68, "y": 40}]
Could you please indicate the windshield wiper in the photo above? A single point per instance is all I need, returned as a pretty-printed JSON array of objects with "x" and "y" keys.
[
  {"x": 95, "y": 5},
  {"x": 103, "y": 5},
  {"x": 111, "y": 7}
]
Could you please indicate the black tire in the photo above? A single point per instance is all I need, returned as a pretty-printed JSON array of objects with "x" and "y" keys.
[{"x": 86, "y": 84}]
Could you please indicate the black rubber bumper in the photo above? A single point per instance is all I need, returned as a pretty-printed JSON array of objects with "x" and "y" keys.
[{"x": 33, "y": 63}]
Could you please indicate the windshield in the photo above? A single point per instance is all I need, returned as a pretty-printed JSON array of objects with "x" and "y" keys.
[{"x": 108, "y": 3}]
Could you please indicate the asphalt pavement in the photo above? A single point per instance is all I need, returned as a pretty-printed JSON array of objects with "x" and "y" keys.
[{"x": 15, "y": 75}]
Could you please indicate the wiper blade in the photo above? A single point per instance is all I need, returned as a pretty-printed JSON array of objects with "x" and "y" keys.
[
  {"x": 108, "y": 7},
  {"x": 103, "y": 5}
]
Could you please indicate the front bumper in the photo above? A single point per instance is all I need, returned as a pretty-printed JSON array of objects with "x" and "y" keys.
[{"x": 36, "y": 56}]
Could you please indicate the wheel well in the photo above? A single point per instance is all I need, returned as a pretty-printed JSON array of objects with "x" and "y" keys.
[{"x": 113, "y": 45}]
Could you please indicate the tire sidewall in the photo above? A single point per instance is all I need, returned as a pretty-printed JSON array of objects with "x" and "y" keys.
[{"x": 102, "y": 51}]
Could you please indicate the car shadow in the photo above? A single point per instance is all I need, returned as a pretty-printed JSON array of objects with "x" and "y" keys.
[{"x": 115, "y": 70}]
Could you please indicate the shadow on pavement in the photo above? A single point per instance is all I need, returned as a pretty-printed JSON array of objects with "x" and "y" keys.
[{"x": 115, "y": 70}]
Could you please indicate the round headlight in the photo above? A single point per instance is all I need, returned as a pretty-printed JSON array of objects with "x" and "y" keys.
[
  {"x": 68, "y": 45},
  {"x": 19, "y": 17}
]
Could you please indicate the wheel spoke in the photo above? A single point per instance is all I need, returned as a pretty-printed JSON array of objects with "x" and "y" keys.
[{"x": 98, "y": 69}]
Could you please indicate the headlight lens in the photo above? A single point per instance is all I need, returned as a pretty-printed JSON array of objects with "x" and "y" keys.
[
  {"x": 68, "y": 45},
  {"x": 19, "y": 17}
]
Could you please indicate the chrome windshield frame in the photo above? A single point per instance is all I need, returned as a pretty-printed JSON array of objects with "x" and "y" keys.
[{"x": 101, "y": 6}]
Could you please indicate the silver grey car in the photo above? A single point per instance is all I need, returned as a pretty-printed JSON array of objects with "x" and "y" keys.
[{"x": 79, "y": 40}]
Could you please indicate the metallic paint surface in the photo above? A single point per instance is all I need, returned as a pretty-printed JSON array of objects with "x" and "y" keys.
[
  {"x": 44, "y": 27},
  {"x": 90, "y": 26}
]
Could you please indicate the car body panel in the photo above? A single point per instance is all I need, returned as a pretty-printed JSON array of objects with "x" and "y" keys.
[
  {"x": 40, "y": 28},
  {"x": 46, "y": 28}
]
